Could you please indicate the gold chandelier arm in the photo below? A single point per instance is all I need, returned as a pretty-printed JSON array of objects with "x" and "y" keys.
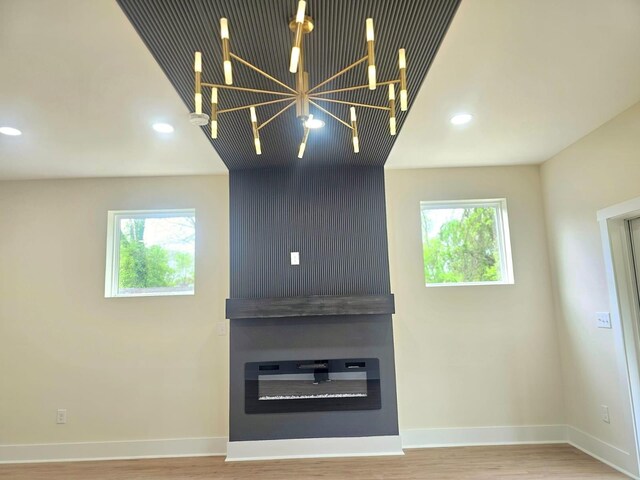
[
  {"x": 347, "y": 89},
  {"x": 353, "y": 104},
  {"x": 244, "y": 89},
  {"x": 263, "y": 73},
  {"x": 341, "y": 72},
  {"x": 277, "y": 114},
  {"x": 330, "y": 114},
  {"x": 244, "y": 107}
]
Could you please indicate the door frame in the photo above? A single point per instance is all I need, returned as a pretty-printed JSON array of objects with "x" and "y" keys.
[{"x": 623, "y": 296}]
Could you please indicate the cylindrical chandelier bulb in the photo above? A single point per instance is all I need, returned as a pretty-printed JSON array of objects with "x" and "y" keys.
[
  {"x": 254, "y": 127},
  {"x": 198, "y": 102},
  {"x": 305, "y": 136},
  {"x": 372, "y": 77},
  {"x": 300, "y": 13},
  {"x": 226, "y": 51},
  {"x": 354, "y": 130},
  {"x": 371, "y": 56},
  {"x": 392, "y": 109},
  {"x": 224, "y": 28},
  {"x": 228, "y": 76},
  {"x": 402, "y": 59},
  {"x": 402, "y": 63},
  {"x": 295, "y": 59},
  {"x": 214, "y": 112},
  {"x": 369, "y": 23},
  {"x": 297, "y": 41},
  {"x": 197, "y": 67},
  {"x": 403, "y": 100}
]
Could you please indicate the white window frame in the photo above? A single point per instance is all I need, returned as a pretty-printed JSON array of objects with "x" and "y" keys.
[
  {"x": 113, "y": 248},
  {"x": 502, "y": 231}
]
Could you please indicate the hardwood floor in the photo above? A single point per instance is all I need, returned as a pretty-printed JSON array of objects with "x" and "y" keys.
[{"x": 548, "y": 462}]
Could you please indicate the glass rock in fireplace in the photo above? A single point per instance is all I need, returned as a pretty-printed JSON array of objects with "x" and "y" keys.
[{"x": 312, "y": 385}]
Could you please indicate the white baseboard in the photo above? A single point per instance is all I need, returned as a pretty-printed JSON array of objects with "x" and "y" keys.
[
  {"x": 66, "y": 452},
  {"x": 314, "y": 448},
  {"x": 474, "y": 436},
  {"x": 613, "y": 456}
]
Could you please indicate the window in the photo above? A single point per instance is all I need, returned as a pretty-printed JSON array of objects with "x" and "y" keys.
[
  {"x": 466, "y": 243},
  {"x": 150, "y": 253}
]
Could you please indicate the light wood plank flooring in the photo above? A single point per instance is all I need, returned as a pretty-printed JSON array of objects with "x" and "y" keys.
[{"x": 548, "y": 462}]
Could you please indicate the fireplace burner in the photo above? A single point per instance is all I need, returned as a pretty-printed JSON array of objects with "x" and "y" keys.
[{"x": 312, "y": 385}]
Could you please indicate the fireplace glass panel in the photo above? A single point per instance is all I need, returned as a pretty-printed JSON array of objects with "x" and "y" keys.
[
  {"x": 312, "y": 385},
  {"x": 319, "y": 384}
]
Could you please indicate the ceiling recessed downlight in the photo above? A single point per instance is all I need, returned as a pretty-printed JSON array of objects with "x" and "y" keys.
[
  {"x": 461, "y": 118},
  {"x": 314, "y": 123},
  {"x": 10, "y": 131},
  {"x": 163, "y": 128}
]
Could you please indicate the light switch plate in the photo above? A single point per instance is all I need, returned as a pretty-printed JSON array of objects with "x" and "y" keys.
[
  {"x": 604, "y": 319},
  {"x": 604, "y": 414},
  {"x": 61, "y": 416},
  {"x": 295, "y": 258}
]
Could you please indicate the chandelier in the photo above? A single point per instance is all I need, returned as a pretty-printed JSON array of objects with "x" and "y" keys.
[{"x": 302, "y": 96}]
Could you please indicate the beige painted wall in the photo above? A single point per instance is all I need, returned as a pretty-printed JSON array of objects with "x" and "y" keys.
[
  {"x": 481, "y": 355},
  {"x": 124, "y": 368},
  {"x": 599, "y": 170},
  {"x": 144, "y": 368}
]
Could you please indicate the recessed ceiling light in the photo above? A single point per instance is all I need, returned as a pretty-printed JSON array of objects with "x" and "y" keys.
[
  {"x": 163, "y": 128},
  {"x": 10, "y": 131},
  {"x": 461, "y": 118},
  {"x": 314, "y": 123}
]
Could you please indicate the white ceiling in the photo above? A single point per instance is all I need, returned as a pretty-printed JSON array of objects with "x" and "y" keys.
[
  {"x": 536, "y": 74},
  {"x": 83, "y": 88}
]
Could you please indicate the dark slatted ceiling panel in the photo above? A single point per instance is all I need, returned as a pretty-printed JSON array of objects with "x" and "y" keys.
[{"x": 174, "y": 29}]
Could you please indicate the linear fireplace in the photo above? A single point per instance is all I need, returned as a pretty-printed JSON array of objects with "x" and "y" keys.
[{"x": 312, "y": 385}]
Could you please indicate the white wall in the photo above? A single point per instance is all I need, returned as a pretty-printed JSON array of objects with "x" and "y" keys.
[
  {"x": 480, "y": 355},
  {"x": 599, "y": 170},
  {"x": 124, "y": 368}
]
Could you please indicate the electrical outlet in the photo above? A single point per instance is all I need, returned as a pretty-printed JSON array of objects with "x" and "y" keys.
[
  {"x": 221, "y": 328},
  {"x": 604, "y": 414},
  {"x": 61, "y": 416},
  {"x": 604, "y": 319},
  {"x": 295, "y": 258}
]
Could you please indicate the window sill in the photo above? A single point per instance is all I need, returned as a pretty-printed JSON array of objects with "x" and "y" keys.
[
  {"x": 469, "y": 284},
  {"x": 151, "y": 294}
]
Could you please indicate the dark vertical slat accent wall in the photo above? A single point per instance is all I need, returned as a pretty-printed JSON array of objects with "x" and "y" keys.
[{"x": 334, "y": 216}]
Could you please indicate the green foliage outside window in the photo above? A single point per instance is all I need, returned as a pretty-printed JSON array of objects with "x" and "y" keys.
[
  {"x": 460, "y": 245},
  {"x": 156, "y": 266}
]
